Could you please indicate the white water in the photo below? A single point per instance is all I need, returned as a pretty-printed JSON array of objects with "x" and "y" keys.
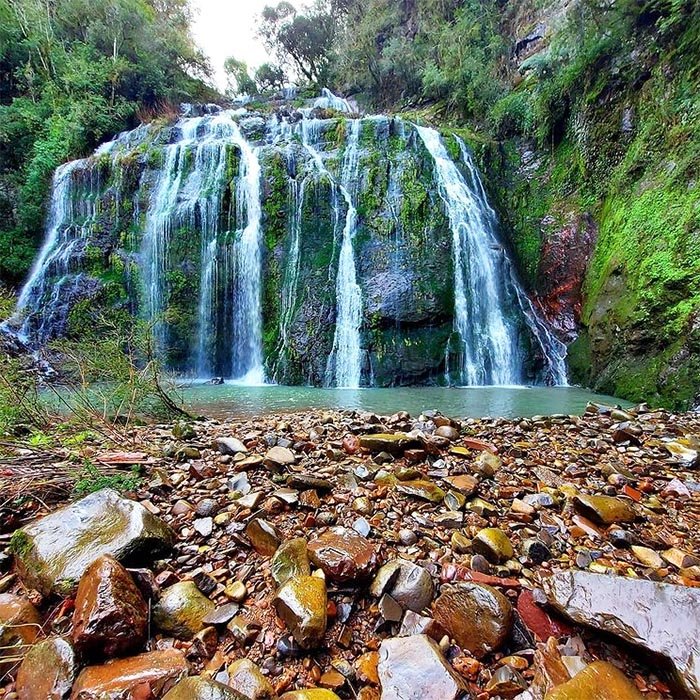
[{"x": 490, "y": 348}]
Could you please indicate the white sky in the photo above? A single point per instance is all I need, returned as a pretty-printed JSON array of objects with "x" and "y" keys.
[{"x": 224, "y": 28}]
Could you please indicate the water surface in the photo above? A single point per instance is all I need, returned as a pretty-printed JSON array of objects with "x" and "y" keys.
[{"x": 233, "y": 400}]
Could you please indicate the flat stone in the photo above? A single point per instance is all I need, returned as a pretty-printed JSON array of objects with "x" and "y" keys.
[
  {"x": 478, "y": 617},
  {"x": 679, "y": 558},
  {"x": 407, "y": 583},
  {"x": 413, "y": 667},
  {"x": 393, "y": 443},
  {"x": 204, "y": 526},
  {"x": 53, "y": 552},
  {"x": 246, "y": 678},
  {"x": 310, "y": 694},
  {"x": 344, "y": 555},
  {"x": 19, "y": 628},
  {"x": 301, "y": 602},
  {"x": 493, "y": 544},
  {"x": 464, "y": 483},
  {"x": 181, "y": 610},
  {"x": 221, "y": 614},
  {"x": 486, "y": 464},
  {"x": 644, "y": 613},
  {"x": 422, "y": 488},
  {"x": 157, "y": 670},
  {"x": 598, "y": 680},
  {"x": 413, "y": 623},
  {"x": 111, "y": 616},
  {"x": 47, "y": 671},
  {"x": 198, "y": 688},
  {"x": 278, "y": 457},
  {"x": 389, "y": 609},
  {"x": 506, "y": 682},
  {"x": 605, "y": 509},
  {"x": 263, "y": 536},
  {"x": 230, "y": 446},
  {"x": 304, "y": 482},
  {"x": 290, "y": 561}
]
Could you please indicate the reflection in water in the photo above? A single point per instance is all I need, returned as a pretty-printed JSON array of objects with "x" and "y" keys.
[{"x": 231, "y": 400}]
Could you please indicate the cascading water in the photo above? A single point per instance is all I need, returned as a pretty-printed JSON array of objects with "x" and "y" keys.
[
  {"x": 484, "y": 288},
  {"x": 238, "y": 235}
]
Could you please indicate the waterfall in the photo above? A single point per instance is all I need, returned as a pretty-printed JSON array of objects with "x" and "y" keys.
[
  {"x": 345, "y": 357},
  {"x": 167, "y": 223},
  {"x": 247, "y": 361},
  {"x": 484, "y": 287}
]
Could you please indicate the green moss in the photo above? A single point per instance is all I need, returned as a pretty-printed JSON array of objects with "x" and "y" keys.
[{"x": 20, "y": 544}]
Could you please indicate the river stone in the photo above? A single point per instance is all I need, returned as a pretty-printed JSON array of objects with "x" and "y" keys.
[
  {"x": 278, "y": 457},
  {"x": 181, "y": 610},
  {"x": 290, "y": 561},
  {"x": 660, "y": 617},
  {"x": 477, "y": 617},
  {"x": 157, "y": 670},
  {"x": 408, "y": 584},
  {"x": 230, "y": 446},
  {"x": 447, "y": 431},
  {"x": 493, "y": 544},
  {"x": 47, "y": 671},
  {"x": 605, "y": 509},
  {"x": 464, "y": 483},
  {"x": 302, "y": 604},
  {"x": 263, "y": 536},
  {"x": 412, "y": 668},
  {"x": 393, "y": 443},
  {"x": 111, "y": 616},
  {"x": 344, "y": 555},
  {"x": 198, "y": 688},
  {"x": 19, "y": 627},
  {"x": 598, "y": 680},
  {"x": 53, "y": 552},
  {"x": 246, "y": 678},
  {"x": 422, "y": 488},
  {"x": 310, "y": 694}
]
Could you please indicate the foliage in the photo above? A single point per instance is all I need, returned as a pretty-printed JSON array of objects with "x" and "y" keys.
[
  {"x": 270, "y": 77},
  {"x": 238, "y": 80},
  {"x": 91, "y": 479},
  {"x": 73, "y": 72}
]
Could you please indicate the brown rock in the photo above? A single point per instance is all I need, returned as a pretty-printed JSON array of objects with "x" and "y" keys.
[
  {"x": 290, "y": 560},
  {"x": 447, "y": 431},
  {"x": 111, "y": 616},
  {"x": 47, "y": 671},
  {"x": 343, "y": 554},
  {"x": 423, "y": 489},
  {"x": 246, "y": 678},
  {"x": 302, "y": 604},
  {"x": 493, "y": 544},
  {"x": 644, "y": 613},
  {"x": 198, "y": 688},
  {"x": 20, "y": 625},
  {"x": 310, "y": 694},
  {"x": 598, "y": 681},
  {"x": 478, "y": 617},
  {"x": 413, "y": 667},
  {"x": 605, "y": 509},
  {"x": 393, "y": 443},
  {"x": 157, "y": 671},
  {"x": 464, "y": 483},
  {"x": 263, "y": 536},
  {"x": 181, "y": 610}
]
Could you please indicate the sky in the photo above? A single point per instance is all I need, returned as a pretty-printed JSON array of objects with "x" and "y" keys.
[{"x": 224, "y": 28}]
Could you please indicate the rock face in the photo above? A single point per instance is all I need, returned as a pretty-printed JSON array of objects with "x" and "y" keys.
[
  {"x": 412, "y": 668},
  {"x": 53, "y": 553},
  {"x": 598, "y": 681},
  {"x": 157, "y": 671},
  {"x": 197, "y": 688},
  {"x": 47, "y": 671},
  {"x": 19, "y": 627},
  {"x": 477, "y": 617},
  {"x": 302, "y": 603},
  {"x": 343, "y": 554},
  {"x": 111, "y": 616},
  {"x": 659, "y": 617},
  {"x": 182, "y": 609}
]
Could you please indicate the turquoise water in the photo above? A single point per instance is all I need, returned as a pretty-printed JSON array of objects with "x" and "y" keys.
[{"x": 232, "y": 400}]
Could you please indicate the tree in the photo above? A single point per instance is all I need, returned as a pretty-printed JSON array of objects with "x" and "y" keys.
[
  {"x": 270, "y": 77},
  {"x": 301, "y": 40},
  {"x": 238, "y": 79}
]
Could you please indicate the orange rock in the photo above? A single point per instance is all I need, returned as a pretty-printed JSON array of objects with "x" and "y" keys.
[{"x": 366, "y": 667}]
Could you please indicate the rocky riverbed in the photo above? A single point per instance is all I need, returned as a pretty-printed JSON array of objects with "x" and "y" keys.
[{"x": 317, "y": 555}]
